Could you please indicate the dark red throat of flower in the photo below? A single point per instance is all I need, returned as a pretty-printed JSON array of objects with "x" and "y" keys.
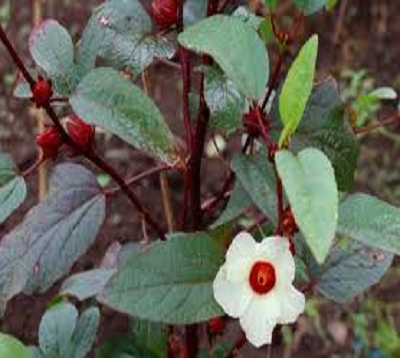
[{"x": 262, "y": 277}]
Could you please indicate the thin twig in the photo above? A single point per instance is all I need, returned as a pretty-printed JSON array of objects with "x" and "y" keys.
[
  {"x": 87, "y": 153},
  {"x": 38, "y": 162},
  {"x": 139, "y": 177},
  {"x": 395, "y": 119}
]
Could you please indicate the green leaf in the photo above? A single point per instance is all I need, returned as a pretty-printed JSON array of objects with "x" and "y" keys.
[
  {"x": 270, "y": 4},
  {"x": 237, "y": 49},
  {"x": 297, "y": 88},
  {"x": 88, "y": 284},
  {"x": 309, "y": 182},
  {"x": 121, "y": 32},
  {"x": 85, "y": 333},
  {"x": 310, "y": 6},
  {"x": 194, "y": 11},
  {"x": 330, "y": 4},
  {"x": 256, "y": 175},
  {"x": 11, "y": 347},
  {"x": 63, "y": 335},
  {"x": 22, "y": 90},
  {"x": 384, "y": 93},
  {"x": 147, "y": 340},
  {"x": 171, "y": 282},
  {"x": 238, "y": 202},
  {"x": 350, "y": 269},
  {"x": 12, "y": 188},
  {"x": 266, "y": 32},
  {"x": 53, "y": 235},
  {"x": 225, "y": 102},
  {"x": 248, "y": 17},
  {"x": 325, "y": 125},
  {"x": 370, "y": 221},
  {"x": 56, "y": 329},
  {"x": 105, "y": 99},
  {"x": 52, "y": 49}
]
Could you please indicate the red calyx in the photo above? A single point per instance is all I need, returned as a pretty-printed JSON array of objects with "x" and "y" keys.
[
  {"x": 42, "y": 92},
  {"x": 80, "y": 132},
  {"x": 252, "y": 119},
  {"x": 215, "y": 325},
  {"x": 165, "y": 13},
  {"x": 50, "y": 142},
  {"x": 288, "y": 224}
]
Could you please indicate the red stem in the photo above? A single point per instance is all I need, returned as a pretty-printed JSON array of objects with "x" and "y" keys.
[
  {"x": 89, "y": 153},
  {"x": 239, "y": 344},
  {"x": 279, "y": 202},
  {"x": 39, "y": 161},
  {"x": 15, "y": 57},
  {"x": 274, "y": 78},
  {"x": 139, "y": 177}
]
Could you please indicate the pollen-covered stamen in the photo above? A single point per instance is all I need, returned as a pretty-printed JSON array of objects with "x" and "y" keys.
[{"x": 262, "y": 277}]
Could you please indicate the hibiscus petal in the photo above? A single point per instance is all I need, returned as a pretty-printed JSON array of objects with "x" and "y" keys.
[
  {"x": 292, "y": 305},
  {"x": 242, "y": 246},
  {"x": 233, "y": 297},
  {"x": 239, "y": 270},
  {"x": 259, "y": 319}
]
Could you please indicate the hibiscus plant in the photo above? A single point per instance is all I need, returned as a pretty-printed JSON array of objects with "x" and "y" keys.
[{"x": 282, "y": 226}]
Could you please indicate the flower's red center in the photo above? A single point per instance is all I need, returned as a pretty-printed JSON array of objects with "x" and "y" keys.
[{"x": 262, "y": 277}]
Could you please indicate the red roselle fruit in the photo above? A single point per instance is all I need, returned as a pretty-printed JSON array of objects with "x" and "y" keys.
[
  {"x": 165, "y": 13},
  {"x": 215, "y": 325},
  {"x": 50, "y": 142},
  {"x": 80, "y": 132},
  {"x": 42, "y": 91}
]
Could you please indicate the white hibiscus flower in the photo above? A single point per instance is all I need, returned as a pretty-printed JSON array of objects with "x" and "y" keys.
[{"x": 255, "y": 284}]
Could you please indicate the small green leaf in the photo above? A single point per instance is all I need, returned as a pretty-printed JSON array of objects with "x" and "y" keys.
[
  {"x": 52, "y": 49},
  {"x": 309, "y": 182},
  {"x": 310, "y": 6},
  {"x": 225, "y": 102},
  {"x": 248, "y": 17},
  {"x": 85, "y": 333},
  {"x": 350, "y": 269},
  {"x": 297, "y": 88},
  {"x": 12, "y": 188},
  {"x": 383, "y": 93},
  {"x": 270, "y": 4},
  {"x": 256, "y": 175},
  {"x": 330, "y": 4},
  {"x": 56, "y": 329},
  {"x": 121, "y": 33},
  {"x": 370, "y": 221},
  {"x": 237, "y": 49},
  {"x": 88, "y": 284},
  {"x": 11, "y": 347},
  {"x": 325, "y": 126},
  {"x": 266, "y": 32},
  {"x": 171, "y": 282},
  {"x": 105, "y": 99}
]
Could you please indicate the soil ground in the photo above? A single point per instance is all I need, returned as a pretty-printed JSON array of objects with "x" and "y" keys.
[{"x": 367, "y": 39}]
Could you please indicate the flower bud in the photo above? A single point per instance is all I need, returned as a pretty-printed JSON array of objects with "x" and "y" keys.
[
  {"x": 80, "y": 132},
  {"x": 165, "y": 13},
  {"x": 289, "y": 226},
  {"x": 42, "y": 91},
  {"x": 215, "y": 325},
  {"x": 50, "y": 142}
]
